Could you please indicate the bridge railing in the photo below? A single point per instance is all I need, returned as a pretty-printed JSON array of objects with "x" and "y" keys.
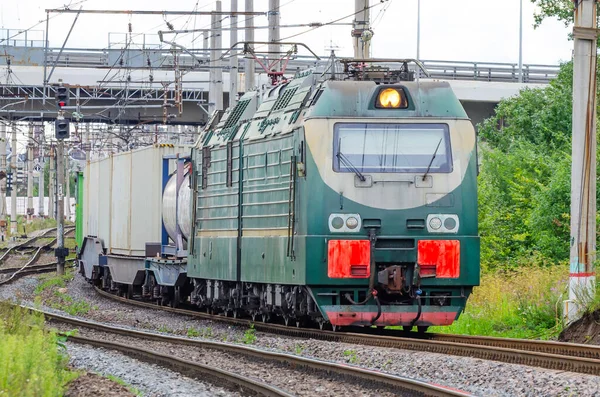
[
  {"x": 490, "y": 71},
  {"x": 163, "y": 59}
]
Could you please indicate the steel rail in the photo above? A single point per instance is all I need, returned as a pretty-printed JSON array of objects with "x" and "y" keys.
[
  {"x": 27, "y": 269},
  {"x": 17, "y": 271},
  {"x": 549, "y": 355},
  {"x": 374, "y": 378},
  {"x": 203, "y": 372},
  {"x": 24, "y": 244}
]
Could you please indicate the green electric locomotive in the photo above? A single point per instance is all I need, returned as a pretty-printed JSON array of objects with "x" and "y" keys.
[{"x": 338, "y": 200}]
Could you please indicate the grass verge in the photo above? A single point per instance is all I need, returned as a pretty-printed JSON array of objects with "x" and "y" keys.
[
  {"x": 32, "y": 363},
  {"x": 52, "y": 292},
  {"x": 525, "y": 303},
  {"x": 132, "y": 389}
]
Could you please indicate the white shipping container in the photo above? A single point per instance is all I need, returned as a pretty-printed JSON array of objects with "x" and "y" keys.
[{"x": 123, "y": 198}]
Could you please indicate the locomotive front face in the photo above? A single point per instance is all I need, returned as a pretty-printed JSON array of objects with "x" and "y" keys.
[{"x": 393, "y": 235}]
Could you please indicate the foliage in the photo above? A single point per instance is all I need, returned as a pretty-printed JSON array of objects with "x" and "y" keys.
[
  {"x": 352, "y": 356},
  {"x": 563, "y": 10},
  {"x": 31, "y": 363},
  {"x": 250, "y": 335},
  {"x": 524, "y": 185},
  {"x": 193, "y": 333},
  {"x": 509, "y": 304}
]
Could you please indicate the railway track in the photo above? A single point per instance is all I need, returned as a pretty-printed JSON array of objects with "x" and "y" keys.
[
  {"x": 24, "y": 256},
  {"x": 397, "y": 384},
  {"x": 544, "y": 354}
]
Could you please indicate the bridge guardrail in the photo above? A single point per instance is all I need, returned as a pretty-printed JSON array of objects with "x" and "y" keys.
[{"x": 103, "y": 58}]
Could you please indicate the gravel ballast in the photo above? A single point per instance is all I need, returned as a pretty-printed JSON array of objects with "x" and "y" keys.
[
  {"x": 150, "y": 379},
  {"x": 477, "y": 376}
]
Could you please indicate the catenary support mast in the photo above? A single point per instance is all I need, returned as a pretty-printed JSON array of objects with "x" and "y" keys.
[
  {"x": 13, "y": 193},
  {"x": 583, "y": 170},
  {"x": 233, "y": 61},
  {"x": 361, "y": 25},
  {"x": 249, "y": 65},
  {"x": 3, "y": 181},
  {"x": 274, "y": 35},
  {"x": 30, "y": 174}
]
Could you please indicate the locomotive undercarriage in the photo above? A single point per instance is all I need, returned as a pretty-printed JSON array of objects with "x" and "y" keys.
[
  {"x": 264, "y": 302},
  {"x": 288, "y": 304}
]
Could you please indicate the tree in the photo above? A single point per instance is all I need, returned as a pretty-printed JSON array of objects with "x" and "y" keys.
[
  {"x": 524, "y": 185},
  {"x": 563, "y": 10}
]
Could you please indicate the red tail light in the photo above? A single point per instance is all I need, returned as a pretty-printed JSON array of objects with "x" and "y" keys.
[
  {"x": 348, "y": 258},
  {"x": 439, "y": 256}
]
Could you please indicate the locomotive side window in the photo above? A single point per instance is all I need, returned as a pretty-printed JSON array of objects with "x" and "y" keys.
[{"x": 371, "y": 147}]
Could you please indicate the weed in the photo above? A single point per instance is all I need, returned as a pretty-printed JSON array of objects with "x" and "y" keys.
[
  {"x": 387, "y": 364},
  {"x": 165, "y": 329},
  {"x": 299, "y": 349},
  {"x": 48, "y": 282},
  {"x": 353, "y": 358},
  {"x": 193, "y": 333},
  {"x": 30, "y": 362},
  {"x": 120, "y": 381},
  {"x": 250, "y": 335},
  {"x": 63, "y": 336},
  {"x": 207, "y": 332}
]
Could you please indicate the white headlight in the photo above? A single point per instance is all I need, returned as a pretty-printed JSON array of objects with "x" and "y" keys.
[
  {"x": 442, "y": 223},
  {"x": 344, "y": 223},
  {"x": 351, "y": 222},
  {"x": 435, "y": 223}
]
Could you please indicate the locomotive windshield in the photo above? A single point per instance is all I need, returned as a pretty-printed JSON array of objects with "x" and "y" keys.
[{"x": 371, "y": 147}]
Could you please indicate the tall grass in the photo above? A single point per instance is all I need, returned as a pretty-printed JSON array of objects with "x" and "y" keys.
[
  {"x": 524, "y": 303},
  {"x": 31, "y": 361}
]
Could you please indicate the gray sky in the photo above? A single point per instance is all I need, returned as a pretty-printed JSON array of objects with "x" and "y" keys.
[{"x": 456, "y": 30}]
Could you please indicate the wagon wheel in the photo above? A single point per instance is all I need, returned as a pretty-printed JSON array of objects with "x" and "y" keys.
[
  {"x": 422, "y": 328},
  {"x": 407, "y": 328}
]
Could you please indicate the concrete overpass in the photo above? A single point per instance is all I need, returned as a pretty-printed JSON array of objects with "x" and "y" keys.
[{"x": 132, "y": 86}]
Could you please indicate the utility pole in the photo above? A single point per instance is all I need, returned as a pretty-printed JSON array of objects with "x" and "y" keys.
[
  {"x": 274, "y": 46},
  {"x": 88, "y": 147},
  {"x": 233, "y": 61},
  {"x": 51, "y": 190},
  {"x": 249, "y": 65},
  {"x": 3, "y": 181},
  {"x": 13, "y": 193},
  {"x": 520, "y": 41},
  {"x": 360, "y": 32},
  {"x": 60, "y": 208},
  {"x": 67, "y": 177},
  {"x": 30, "y": 174},
  {"x": 215, "y": 91},
  {"x": 41, "y": 187},
  {"x": 418, "y": 32},
  {"x": 582, "y": 275}
]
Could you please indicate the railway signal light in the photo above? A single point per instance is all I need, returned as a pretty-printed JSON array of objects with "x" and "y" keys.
[
  {"x": 9, "y": 182},
  {"x": 62, "y": 96},
  {"x": 61, "y": 127}
]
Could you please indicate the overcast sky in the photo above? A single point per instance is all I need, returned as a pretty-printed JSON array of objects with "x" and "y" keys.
[{"x": 453, "y": 30}]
